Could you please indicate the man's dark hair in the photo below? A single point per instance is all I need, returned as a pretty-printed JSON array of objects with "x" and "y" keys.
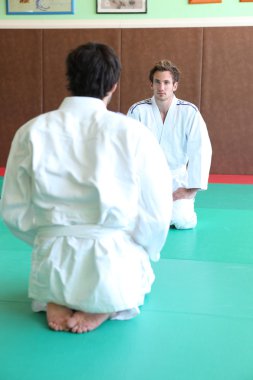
[
  {"x": 165, "y": 65},
  {"x": 92, "y": 70}
]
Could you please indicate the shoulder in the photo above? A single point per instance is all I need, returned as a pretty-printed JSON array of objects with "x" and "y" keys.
[
  {"x": 186, "y": 106},
  {"x": 130, "y": 128},
  {"x": 38, "y": 123},
  {"x": 122, "y": 121},
  {"x": 189, "y": 114},
  {"x": 37, "y": 120},
  {"x": 140, "y": 105}
]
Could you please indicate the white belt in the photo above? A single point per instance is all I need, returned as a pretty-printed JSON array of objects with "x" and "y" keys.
[{"x": 83, "y": 231}]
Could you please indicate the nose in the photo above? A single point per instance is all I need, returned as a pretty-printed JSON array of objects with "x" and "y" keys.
[{"x": 161, "y": 86}]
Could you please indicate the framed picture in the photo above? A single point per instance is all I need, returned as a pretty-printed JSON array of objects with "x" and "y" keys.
[
  {"x": 122, "y": 6},
  {"x": 31, "y": 7},
  {"x": 204, "y": 1}
]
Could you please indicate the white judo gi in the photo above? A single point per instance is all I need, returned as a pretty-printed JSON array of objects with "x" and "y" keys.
[
  {"x": 184, "y": 139},
  {"x": 89, "y": 189}
]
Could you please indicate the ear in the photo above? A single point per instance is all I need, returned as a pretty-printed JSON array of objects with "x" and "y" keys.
[
  {"x": 175, "y": 86},
  {"x": 108, "y": 96},
  {"x": 114, "y": 88}
]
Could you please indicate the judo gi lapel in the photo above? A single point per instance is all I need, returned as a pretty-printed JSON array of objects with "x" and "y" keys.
[
  {"x": 162, "y": 129},
  {"x": 159, "y": 126}
]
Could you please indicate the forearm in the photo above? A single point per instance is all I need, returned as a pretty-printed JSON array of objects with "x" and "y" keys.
[{"x": 183, "y": 193}]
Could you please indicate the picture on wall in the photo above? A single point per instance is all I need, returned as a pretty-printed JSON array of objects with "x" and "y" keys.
[
  {"x": 121, "y": 6},
  {"x": 204, "y": 1},
  {"x": 26, "y": 7}
]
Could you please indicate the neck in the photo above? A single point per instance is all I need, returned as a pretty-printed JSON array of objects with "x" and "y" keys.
[
  {"x": 107, "y": 99},
  {"x": 108, "y": 96},
  {"x": 163, "y": 108},
  {"x": 164, "y": 105}
]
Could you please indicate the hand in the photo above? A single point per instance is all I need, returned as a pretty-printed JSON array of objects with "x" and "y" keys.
[{"x": 182, "y": 193}]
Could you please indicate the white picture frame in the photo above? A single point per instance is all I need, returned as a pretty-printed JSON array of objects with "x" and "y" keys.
[{"x": 121, "y": 6}]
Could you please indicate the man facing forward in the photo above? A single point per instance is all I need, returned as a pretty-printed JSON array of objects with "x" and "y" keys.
[{"x": 181, "y": 132}]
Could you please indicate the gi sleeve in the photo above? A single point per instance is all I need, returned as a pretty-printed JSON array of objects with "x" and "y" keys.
[
  {"x": 155, "y": 196},
  {"x": 199, "y": 152},
  {"x": 16, "y": 203}
]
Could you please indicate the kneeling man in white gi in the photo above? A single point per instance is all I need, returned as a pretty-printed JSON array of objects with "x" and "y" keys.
[
  {"x": 181, "y": 132},
  {"x": 82, "y": 188}
]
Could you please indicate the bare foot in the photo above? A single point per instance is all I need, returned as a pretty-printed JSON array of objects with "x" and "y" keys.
[
  {"x": 58, "y": 316},
  {"x": 82, "y": 322}
]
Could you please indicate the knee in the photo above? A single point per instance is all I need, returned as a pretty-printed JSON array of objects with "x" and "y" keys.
[
  {"x": 183, "y": 215},
  {"x": 182, "y": 224}
]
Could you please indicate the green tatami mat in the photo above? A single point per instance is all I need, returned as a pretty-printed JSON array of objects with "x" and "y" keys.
[
  {"x": 197, "y": 323},
  {"x": 224, "y": 230},
  {"x": 204, "y": 288},
  {"x": 10, "y": 243},
  {"x": 223, "y": 235},
  {"x": 14, "y": 267},
  {"x": 14, "y": 276},
  {"x": 156, "y": 345},
  {"x": 226, "y": 196}
]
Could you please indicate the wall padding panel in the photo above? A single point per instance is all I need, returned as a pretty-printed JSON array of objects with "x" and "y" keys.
[
  {"x": 227, "y": 97},
  {"x": 216, "y": 74},
  {"x": 142, "y": 48},
  {"x": 20, "y": 84}
]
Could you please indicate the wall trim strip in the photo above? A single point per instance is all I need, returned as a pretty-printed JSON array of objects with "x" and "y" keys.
[{"x": 147, "y": 23}]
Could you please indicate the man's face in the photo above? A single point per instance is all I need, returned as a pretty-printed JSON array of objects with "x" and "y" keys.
[{"x": 163, "y": 86}]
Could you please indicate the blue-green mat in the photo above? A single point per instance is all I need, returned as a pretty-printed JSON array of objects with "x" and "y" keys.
[{"x": 197, "y": 323}]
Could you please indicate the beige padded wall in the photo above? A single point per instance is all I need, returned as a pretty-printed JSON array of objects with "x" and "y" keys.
[
  {"x": 227, "y": 97},
  {"x": 142, "y": 48},
  {"x": 20, "y": 84}
]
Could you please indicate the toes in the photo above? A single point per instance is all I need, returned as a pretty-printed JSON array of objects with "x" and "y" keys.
[
  {"x": 54, "y": 326},
  {"x": 71, "y": 323},
  {"x": 79, "y": 329},
  {"x": 76, "y": 326},
  {"x": 57, "y": 317}
]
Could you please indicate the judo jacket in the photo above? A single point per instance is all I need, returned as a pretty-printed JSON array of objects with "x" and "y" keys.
[
  {"x": 89, "y": 189},
  {"x": 183, "y": 137}
]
